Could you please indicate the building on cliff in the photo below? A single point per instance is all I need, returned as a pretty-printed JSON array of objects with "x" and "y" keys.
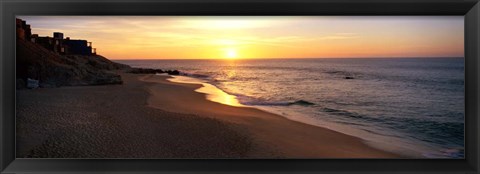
[
  {"x": 81, "y": 47},
  {"x": 23, "y": 30},
  {"x": 56, "y": 43}
]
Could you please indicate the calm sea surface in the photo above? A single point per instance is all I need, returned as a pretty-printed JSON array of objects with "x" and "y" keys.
[{"x": 412, "y": 106}]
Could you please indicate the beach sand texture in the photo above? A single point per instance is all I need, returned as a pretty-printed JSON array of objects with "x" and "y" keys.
[{"x": 150, "y": 117}]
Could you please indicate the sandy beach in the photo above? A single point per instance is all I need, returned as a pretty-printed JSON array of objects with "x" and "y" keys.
[{"x": 151, "y": 117}]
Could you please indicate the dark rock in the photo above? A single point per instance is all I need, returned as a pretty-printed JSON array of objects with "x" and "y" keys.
[
  {"x": 174, "y": 72},
  {"x": 152, "y": 71},
  {"x": 145, "y": 71},
  {"x": 32, "y": 83},
  {"x": 349, "y": 77},
  {"x": 107, "y": 79},
  {"x": 302, "y": 102}
]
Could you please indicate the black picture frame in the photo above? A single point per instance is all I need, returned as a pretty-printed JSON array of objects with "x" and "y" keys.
[{"x": 11, "y": 8}]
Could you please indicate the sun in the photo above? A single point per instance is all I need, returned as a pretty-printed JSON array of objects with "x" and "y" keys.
[{"x": 231, "y": 53}]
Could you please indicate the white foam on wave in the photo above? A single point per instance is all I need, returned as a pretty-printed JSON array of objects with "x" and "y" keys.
[{"x": 391, "y": 144}]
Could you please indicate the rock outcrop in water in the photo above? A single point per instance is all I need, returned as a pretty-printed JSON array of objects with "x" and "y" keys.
[
  {"x": 152, "y": 71},
  {"x": 145, "y": 71}
]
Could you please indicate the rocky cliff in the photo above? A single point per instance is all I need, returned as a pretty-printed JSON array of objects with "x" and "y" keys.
[{"x": 53, "y": 70}]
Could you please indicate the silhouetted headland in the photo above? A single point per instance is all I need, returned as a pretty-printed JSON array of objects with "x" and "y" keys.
[{"x": 58, "y": 61}]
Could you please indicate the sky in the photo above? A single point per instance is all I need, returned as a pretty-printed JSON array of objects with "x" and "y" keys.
[{"x": 242, "y": 37}]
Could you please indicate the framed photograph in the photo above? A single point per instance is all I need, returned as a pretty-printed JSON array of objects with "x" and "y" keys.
[{"x": 239, "y": 86}]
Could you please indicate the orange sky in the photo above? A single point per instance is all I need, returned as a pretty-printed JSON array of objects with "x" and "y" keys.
[{"x": 183, "y": 37}]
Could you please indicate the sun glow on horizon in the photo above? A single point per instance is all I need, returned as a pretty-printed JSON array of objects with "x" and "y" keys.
[{"x": 231, "y": 53}]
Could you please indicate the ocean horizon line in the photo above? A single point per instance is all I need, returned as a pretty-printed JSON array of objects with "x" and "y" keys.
[{"x": 453, "y": 57}]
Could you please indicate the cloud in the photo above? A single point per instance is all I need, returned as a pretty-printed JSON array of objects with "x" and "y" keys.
[{"x": 339, "y": 36}]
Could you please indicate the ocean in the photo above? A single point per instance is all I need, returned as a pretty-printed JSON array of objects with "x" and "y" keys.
[{"x": 410, "y": 106}]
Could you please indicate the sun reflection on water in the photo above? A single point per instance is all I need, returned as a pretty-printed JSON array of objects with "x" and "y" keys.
[
  {"x": 213, "y": 93},
  {"x": 217, "y": 95}
]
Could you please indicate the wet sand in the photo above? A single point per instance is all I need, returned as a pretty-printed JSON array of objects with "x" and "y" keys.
[
  {"x": 150, "y": 117},
  {"x": 285, "y": 137}
]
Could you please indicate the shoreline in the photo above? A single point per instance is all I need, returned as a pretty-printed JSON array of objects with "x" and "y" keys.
[
  {"x": 291, "y": 138},
  {"x": 215, "y": 94},
  {"x": 150, "y": 117}
]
